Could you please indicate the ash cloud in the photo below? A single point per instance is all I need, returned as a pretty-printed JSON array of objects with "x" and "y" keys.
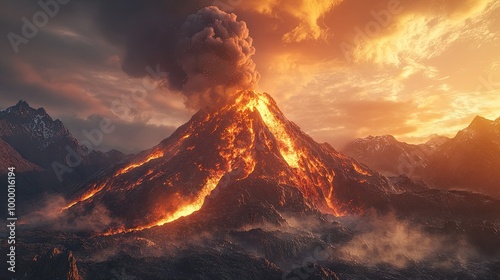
[
  {"x": 215, "y": 51},
  {"x": 205, "y": 53}
]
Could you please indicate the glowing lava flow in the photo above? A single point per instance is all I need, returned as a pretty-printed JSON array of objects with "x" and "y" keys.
[
  {"x": 185, "y": 210},
  {"x": 95, "y": 191},
  {"x": 276, "y": 126},
  {"x": 296, "y": 158},
  {"x": 360, "y": 170},
  {"x": 236, "y": 157},
  {"x": 85, "y": 196},
  {"x": 155, "y": 155},
  {"x": 238, "y": 136}
]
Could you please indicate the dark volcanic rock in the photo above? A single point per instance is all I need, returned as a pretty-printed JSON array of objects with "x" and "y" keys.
[
  {"x": 447, "y": 205},
  {"x": 55, "y": 265},
  {"x": 193, "y": 265},
  {"x": 254, "y": 201}
]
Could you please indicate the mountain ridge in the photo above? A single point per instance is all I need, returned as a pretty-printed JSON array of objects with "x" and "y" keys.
[
  {"x": 35, "y": 143},
  {"x": 468, "y": 161}
]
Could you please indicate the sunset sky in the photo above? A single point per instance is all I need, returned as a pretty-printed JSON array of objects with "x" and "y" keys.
[{"x": 339, "y": 69}]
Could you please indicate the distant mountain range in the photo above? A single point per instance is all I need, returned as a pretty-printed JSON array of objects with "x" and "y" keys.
[
  {"x": 468, "y": 161},
  {"x": 38, "y": 147}
]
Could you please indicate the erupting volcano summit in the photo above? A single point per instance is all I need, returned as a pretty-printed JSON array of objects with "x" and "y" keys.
[{"x": 247, "y": 137}]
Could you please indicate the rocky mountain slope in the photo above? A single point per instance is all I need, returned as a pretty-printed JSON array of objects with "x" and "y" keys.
[
  {"x": 468, "y": 161},
  {"x": 46, "y": 156}
]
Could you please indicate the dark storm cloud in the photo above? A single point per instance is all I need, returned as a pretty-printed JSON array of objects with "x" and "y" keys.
[{"x": 39, "y": 72}]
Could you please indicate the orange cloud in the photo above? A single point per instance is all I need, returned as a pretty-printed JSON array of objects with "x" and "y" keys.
[
  {"x": 307, "y": 14},
  {"x": 413, "y": 35}
]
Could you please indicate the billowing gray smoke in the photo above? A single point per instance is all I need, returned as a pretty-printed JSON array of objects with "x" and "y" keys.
[
  {"x": 215, "y": 52},
  {"x": 208, "y": 55}
]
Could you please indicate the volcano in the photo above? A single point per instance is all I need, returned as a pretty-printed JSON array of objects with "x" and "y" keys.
[
  {"x": 245, "y": 141},
  {"x": 255, "y": 197}
]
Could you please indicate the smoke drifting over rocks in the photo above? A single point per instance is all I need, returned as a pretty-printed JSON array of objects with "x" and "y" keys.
[
  {"x": 50, "y": 217},
  {"x": 387, "y": 240}
]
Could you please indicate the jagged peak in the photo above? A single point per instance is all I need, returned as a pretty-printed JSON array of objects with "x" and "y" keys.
[
  {"x": 23, "y": 106},
  {"x": 20, "y": 106},
  {"x": 478, "y": 126},
  {"x": 22, "y": 103},
  {"x": 35, "y": 122},
  {"x": 479, "y": 120},
  {"x": 387, "y": 136}
]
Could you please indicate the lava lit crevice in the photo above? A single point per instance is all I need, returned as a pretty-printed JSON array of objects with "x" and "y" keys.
[
  {"x": 154, "y": 155},
  {"x": 88, "y": 195}
]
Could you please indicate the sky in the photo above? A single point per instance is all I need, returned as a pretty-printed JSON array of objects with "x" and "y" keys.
[{"x": 340, "y": 69}]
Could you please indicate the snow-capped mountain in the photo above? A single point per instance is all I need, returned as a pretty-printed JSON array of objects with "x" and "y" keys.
[
  {"x": 33, "y": 142},
  {"x": 35, "y": 124}
]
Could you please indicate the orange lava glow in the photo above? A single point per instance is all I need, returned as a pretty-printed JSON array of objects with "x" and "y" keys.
[
  {"x": 360, "y": 170},
  {"x": 237, "y": 150},
  {"x": 307, "y": 168},
  {"x": 155, "y": 155},
  {"x": 85, "y": 196},
  {"x": 183, "y": 211},
  {"x": 332, "y": 208},
  {"x": 287, "y": 145}
]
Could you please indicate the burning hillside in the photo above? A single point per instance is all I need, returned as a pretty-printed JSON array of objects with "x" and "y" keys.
[{"x": 246, "y": 138}]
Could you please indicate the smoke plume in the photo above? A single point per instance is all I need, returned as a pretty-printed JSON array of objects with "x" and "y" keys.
[
  {"x": 206, "y": 55},
  {"x": 215, "y": 52}
]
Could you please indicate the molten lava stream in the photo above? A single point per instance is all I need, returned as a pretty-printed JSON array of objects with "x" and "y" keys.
[
  {"x": 85, "y": 197},
  {"x": 360, "y": 170},
  {"x": 151, "y": 157},
  {"x": 185, "y": 210}
]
